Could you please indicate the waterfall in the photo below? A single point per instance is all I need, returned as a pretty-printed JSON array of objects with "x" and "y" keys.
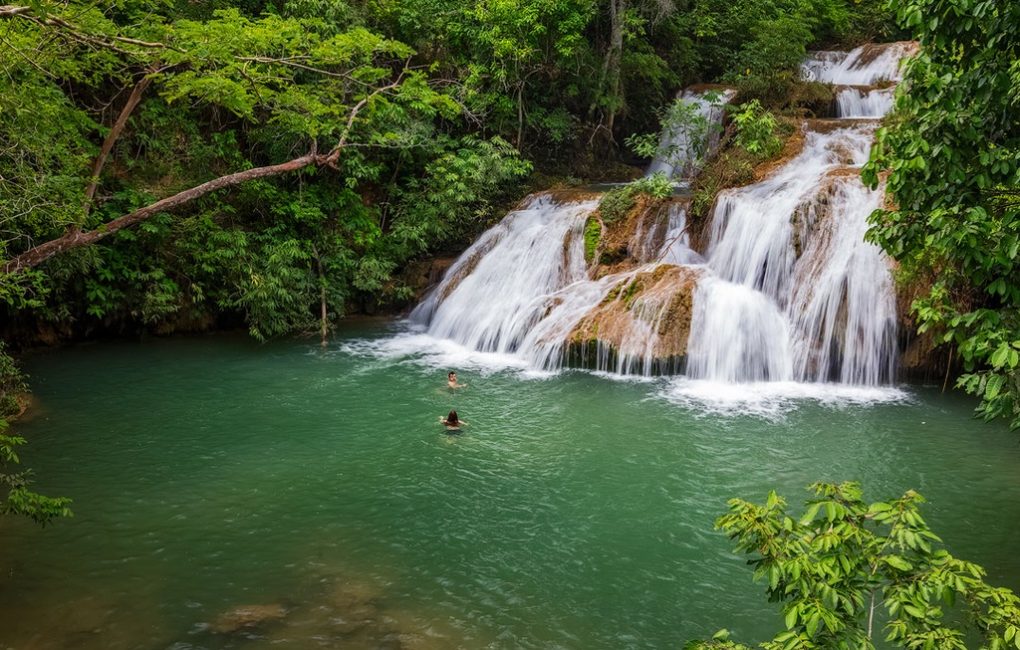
[
  {"x": 495, "y": 293},
  {"x": 682, "y": 147},
  {"x": 843, "y": 306},
  {"x": 742, "y": 335},
  {"x": 780, "y": 287},
  {"x": 751, "y": 242},
  {"x": 856, "y": 102},
  {"x": 676, "y": 245},
  {"x": 865, "y": 66}
]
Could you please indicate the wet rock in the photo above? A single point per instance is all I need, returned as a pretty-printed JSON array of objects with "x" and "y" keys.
[{"x": 645, "y": 319}]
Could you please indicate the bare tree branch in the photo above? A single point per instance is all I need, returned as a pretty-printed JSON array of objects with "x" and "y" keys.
[
  {"x": 77, "y": 238},
  {"x": 111, "y": 139}
]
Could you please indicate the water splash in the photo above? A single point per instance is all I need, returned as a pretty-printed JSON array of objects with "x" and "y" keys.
[{"x": 738, "y": 335}]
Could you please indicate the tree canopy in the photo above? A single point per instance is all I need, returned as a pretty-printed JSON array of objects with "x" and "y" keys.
[{"x": 951, "y": 163}]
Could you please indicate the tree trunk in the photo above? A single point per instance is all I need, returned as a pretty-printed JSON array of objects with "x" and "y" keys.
[
  {"x": 323, "y": 315},
  {"x": 610, "y": 85}
]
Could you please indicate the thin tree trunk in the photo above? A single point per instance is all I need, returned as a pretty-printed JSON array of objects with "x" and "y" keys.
[
  {"x": 611, "y": 64},
  {"x": 111, "y": 139},
  {"x": 949, "y": 366},
  {"x": 520, "y": 114},
  {"x": 871, "y": 613},
  {"x": 322, "y": 297},
  {"x": 75, "y": 239}
]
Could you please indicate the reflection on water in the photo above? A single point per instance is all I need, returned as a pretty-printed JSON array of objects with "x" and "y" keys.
[{"x": 231, "y": 495}]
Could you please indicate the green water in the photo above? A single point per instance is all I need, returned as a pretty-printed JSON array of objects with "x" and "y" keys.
[{"x": 574, "y": 512}]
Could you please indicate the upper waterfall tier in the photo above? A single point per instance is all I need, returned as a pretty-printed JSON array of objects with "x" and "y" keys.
[
  {"x": 683, "y": 146},
  {"x": 801, "y": 295},
  {"x": 752, "y": 227},
  {"x": 867, "y": 65}
]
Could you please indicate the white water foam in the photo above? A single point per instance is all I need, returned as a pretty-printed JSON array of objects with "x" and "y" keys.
[{"x": 772, "y": 400}]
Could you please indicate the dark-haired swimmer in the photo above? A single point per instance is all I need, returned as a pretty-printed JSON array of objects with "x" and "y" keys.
[{"x": 452, "y": 422}]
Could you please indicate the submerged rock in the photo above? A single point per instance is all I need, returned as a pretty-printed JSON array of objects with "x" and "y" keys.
[{"x": 246, "y": 617}]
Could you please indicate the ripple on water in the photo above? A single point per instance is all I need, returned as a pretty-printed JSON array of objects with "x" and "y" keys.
[{"x": 572, "y": 512}]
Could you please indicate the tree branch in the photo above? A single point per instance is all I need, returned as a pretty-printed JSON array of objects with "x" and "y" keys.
[
  {"x": 111, "y": 139},
  {"x": 334, "y": 154},
  {"x": 75, "y": 239}
]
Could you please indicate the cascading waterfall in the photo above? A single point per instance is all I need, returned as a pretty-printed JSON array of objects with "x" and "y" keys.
[
  {"x": 842, "y": 304},
  {"x": 785, "y": 289},
  {"x": 752, "y": 233},
  {"x": 492, "y": 298},
  {"x": 740, "y": 335},
  {"x": 676, "y": 246},
  {"x": 865, "y": 66},
  {"x": 858, "y": 102}
]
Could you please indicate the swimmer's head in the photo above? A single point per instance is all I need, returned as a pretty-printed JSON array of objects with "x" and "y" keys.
[
  {"x": 452, "y": 376},
  {"x": 452, "y": 419}
]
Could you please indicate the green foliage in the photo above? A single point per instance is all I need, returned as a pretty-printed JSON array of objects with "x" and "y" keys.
[
  {"x": 952, "y": 153},
  {"x": 617, "y": 202},
  {"x": 592, "y": 237},
  {"x": 656, "y": 186},
  {"x": 237, "y": 84},
  {"x": 844, "y": 561},
  {"x": 12, "y": 384},
  {"x": 756, "y": 129},
  {"x": 20, "y": 500},
  {"x": 457, "y": 194}
]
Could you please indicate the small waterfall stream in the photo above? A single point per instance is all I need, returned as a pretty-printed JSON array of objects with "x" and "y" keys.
[
  {"x": 683, "y": 147},
  {"x": 782, "y": 289}
]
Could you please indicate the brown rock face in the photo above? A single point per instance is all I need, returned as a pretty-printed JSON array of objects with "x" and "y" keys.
[{"x": 646, "y": 318}]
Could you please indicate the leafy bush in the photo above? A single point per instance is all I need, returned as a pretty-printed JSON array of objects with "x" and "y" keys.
[
  {"x": 949, "y": 160},
  {"x": 616, "y": 203},
  {"x": 20, "y": 500},
  {"x": 757, "y": 129},
  {"x": 831, "y": 568},
  {"x": 12, "y": 384}
]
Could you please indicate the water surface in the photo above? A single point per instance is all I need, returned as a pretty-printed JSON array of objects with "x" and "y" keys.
[{"x": 575, "y": 511}]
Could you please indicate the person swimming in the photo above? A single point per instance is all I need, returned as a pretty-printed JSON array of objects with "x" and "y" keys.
[
  {"x": 452, "y": 422},
  {"x": 451, "y": 380}
]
